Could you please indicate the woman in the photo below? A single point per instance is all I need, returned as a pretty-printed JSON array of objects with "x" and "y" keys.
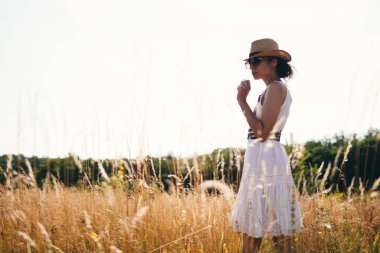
[{"x": 266, "y": 204}]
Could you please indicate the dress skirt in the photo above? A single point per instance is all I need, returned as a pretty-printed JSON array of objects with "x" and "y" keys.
[{"x": 267, "y": 203}]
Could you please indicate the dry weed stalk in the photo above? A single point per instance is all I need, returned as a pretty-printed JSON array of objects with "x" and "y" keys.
[
  {"x": 228, "y": 194},
  {"x": 139, "y": 216},
  {"x": 373, "y": 192},
  {"x": 319, "y": 172},
  {"x": 29, "y": 241},
  {"x": 361, "y": 188},
  {"x": 349, "y": 189},
  {"x": 299, "y": 180},
  {"x": 323, "y": 181},
  {"x": 50, "y": 245},
  {"x": 91, "y": 232},
  {"x": 103, "y": 172},
  {"x": 375, "y": 184},
  {"x": 78, "y": 163},
  {"x": 183, "y": 237},
  {"x": 341, "y": 169},
  {"x": 30, "y": 172},
  {"x": 114, "y": 249}
]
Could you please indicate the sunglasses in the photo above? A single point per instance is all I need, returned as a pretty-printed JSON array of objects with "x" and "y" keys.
[{"x": 253, "y": 62}]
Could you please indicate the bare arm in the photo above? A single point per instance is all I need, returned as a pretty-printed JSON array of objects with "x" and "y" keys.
[
  {"x": 254, "y": 123},
  {"x": 271, "y": 109}
]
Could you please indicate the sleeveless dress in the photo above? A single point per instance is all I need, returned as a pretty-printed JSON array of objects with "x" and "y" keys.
[{"x": 267, "y": 204}]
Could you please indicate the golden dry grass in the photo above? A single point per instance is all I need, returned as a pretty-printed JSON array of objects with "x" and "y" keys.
[{"x": 112, "y": 219}]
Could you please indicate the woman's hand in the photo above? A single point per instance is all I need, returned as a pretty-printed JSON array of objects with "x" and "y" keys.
[{"x": 243, "y": 90}]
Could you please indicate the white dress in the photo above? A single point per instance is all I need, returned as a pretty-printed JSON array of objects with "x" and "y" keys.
[{"x": 267, "y": 204}]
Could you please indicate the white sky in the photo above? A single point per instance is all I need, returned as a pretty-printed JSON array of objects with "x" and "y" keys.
[{"x": 106, "y": 79}]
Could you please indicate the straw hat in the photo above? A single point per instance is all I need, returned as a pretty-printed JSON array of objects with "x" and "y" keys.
[{"x": 267, "y": 47}]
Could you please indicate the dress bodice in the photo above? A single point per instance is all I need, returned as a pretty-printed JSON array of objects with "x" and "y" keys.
[{"x": 284, "y": 111}]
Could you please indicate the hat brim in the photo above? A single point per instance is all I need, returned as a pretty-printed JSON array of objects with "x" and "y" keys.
[{"x": 276, "y": 53}]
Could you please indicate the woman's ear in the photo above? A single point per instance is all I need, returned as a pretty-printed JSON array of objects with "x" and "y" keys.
[{"x": 274, "y": 63}]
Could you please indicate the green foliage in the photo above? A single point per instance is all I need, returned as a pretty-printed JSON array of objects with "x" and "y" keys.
[{"x": 362, "y": 162}]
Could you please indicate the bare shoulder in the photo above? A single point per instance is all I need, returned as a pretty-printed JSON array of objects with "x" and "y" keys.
[{"x": 277, "y": 90}]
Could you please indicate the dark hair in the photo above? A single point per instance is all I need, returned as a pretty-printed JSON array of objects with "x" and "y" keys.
[{"x": 283, "y": 68}]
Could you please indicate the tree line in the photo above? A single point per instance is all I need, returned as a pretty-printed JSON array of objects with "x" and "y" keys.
[{"x": 338, "y": 163}]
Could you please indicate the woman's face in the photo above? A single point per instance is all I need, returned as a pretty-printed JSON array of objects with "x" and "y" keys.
[{"x": 262, "y": 67}]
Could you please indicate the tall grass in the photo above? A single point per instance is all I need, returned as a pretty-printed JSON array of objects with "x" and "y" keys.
[{"x": 111, "y": 218}]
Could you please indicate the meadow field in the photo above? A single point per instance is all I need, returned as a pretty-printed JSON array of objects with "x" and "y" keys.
[{"x": 110, "y": 217}]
